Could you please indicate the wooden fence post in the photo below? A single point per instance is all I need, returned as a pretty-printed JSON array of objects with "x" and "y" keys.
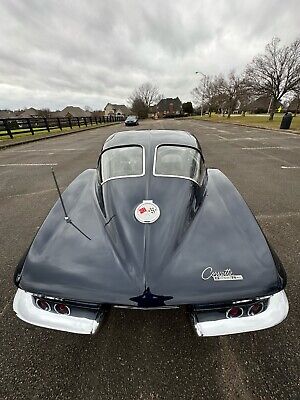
[
  {"x": 59, "y": 124},
  {"x": 8, "y": 128},
  {"x": 29, "y": 126},
  {"x": 46, "y": 124},
  {"x": 70, "y": 123}
]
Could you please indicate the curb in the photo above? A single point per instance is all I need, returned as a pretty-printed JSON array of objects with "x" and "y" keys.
[
  {"x": 55, "y": 135},
  {"x": 248, "y": 126}
]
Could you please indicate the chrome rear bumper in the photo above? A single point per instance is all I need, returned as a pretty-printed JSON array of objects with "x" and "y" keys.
[
  {"x": 27, "y": 311},
  {"x": 275, "y": 313}
]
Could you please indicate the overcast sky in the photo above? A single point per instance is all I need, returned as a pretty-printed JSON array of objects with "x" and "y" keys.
[{"x": 55, "y": 53}]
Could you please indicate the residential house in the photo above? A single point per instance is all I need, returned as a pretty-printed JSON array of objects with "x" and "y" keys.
[
  {"x": 169, "y": 107},
  {"x": 72, "y": 111},
  {"x": 29, "y": 113},
  {"x": 261, "y": 105},
  {"x": 294, "y": 106},
  {"x": 116, "y": 109},
  {"x": 152, "y": 113},
  {"x": 7, "y": 114}
]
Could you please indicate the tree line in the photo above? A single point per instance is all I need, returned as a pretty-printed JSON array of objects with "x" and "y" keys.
[{"x": 275, "y": 74}]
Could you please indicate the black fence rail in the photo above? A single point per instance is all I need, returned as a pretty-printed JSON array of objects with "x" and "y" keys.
[{"x": 17, "y": 126}]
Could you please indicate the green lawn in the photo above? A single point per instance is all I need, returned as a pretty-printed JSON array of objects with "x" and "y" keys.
[
  {"x": 18, "y": 137},
  {"x": 252, "y": 120}
]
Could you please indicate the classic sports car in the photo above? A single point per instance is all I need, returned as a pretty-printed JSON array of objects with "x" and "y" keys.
[
  {"x": 131, "y": 120},
  {"x": 151, "y": 228}
]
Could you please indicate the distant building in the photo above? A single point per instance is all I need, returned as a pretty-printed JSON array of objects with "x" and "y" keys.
[
  {"x": 97, "y": 113},
  {"x": 72, "y": 111},
  {"x": 152, "y": 113},
  {"x": 294, "y": 105},
  {"x": 29, "y": 113},
  {"x": 7, "y": 114},
  {"x": 116, "y": 109},
  {"x": 169, "y": 107},
  {"x": 261, "y": 105}
]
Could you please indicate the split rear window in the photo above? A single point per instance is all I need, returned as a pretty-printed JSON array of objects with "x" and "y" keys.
[
  {"x": 120, "y": 162},
  {"x": 178, "y": 161}
]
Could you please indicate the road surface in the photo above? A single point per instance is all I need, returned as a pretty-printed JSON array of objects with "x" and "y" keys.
[{"x": 151, "y": 355}]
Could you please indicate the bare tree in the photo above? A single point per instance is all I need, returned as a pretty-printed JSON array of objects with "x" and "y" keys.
[
  {"x": 202, "y": 93},
  {"x": 276, "y": 72},
  {"x": 208, "y": 94},
  {"x": 148, "y": 93},
  {"x": 139, "y": 108},
  {"x": 44, "y": 112},
  {"x": 220, "y": 93},
  {"x": 233, "y": 90}
]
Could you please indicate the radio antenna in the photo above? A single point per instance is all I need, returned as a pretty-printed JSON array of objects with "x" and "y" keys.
[{"x": 66, "y": 217}]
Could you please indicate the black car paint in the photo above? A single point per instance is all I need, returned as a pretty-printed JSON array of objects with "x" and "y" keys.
[
  {"x": 134, "y": 264},
  {"x": 131, "y": 121}
]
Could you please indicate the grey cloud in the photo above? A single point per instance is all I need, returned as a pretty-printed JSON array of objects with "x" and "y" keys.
[{"x": 54, "y": 53}]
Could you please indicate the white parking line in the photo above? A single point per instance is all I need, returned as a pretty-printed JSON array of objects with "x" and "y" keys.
[
  {"x": 290, "y": 214},
  {"x": 4, "y": 309},
  {"x": 292, "y": 167},
  {"x": 236, "y": 139},
  {"x": 29, "y": 194},
  {"x": 271, "y": 147},
  {"x": 27, "y": 165},
  {"x": 42, "y": 150}
]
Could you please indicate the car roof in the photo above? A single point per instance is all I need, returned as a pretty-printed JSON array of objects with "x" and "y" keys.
[{"x": 151, "y": 138}]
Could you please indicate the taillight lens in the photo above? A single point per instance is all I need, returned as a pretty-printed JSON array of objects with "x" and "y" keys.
[
  {"x": 256, "y": 308},
  {"x": 43, "y": 304},
  {"x": 61, "y": 308},
  {"x": 234, "y": 312}
]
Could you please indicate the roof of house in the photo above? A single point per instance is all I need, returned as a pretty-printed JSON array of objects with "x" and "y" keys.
[
  {"x": 28, "y": 113},
  {"x": 7, "y": 114},
  {"x": 119, "y": 107},
  {"x": 294, "y": 103},
  {"x": 75, "y": 112},
  {"x": 262, "y": 102},
  {"x": 164, "y": 104}
]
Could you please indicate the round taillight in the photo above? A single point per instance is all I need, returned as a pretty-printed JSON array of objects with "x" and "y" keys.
[
  {"x": 61, "y": 308},
  {"x": 43, "y": 304},
  {"x": 234, "y": 312},
  {"x": 256, "y": 308}
]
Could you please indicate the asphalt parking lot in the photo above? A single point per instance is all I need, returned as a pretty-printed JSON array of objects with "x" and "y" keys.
[{"x": 152, "y": 355}]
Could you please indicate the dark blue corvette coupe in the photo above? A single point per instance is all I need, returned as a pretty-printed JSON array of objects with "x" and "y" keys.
[{"x": 151, "y": 228}]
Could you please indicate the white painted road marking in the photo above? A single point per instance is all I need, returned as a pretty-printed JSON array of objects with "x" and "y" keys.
[
  {"x": 290, "y": 214},
  {"x": 29, "y": 194},
  {"x": 292, "y": 167},
  {"x": 27, "y": 165},
  {"x": 271, "y": 147},
  {"x": 43, "y": 150}
]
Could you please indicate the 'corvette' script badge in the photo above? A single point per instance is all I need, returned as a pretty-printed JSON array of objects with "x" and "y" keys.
[
  {"x": 147, "y": 212},
  {"x": 226, "y": 275}
]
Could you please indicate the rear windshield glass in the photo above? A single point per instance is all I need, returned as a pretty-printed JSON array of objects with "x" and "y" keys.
[
  {"x": 178, "y": 161},
  {"x": 122, "y": 162}
]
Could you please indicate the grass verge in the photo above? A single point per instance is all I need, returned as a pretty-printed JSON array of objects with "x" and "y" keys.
[
  {"x": 46, "y": 133},
  {"x": 252, "y": 120}
]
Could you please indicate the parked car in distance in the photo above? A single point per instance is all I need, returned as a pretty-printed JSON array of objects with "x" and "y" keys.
[{"x": 131, "y": 120}]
